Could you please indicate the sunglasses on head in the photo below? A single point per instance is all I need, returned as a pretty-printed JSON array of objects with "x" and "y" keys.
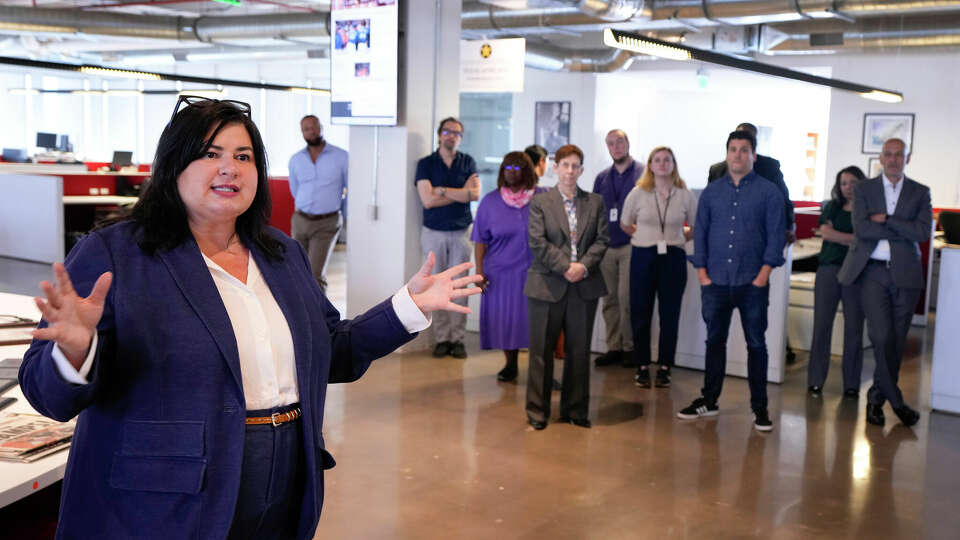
[
  {"x": 200, "y": 101},
  {"x": 512, "y": 168}
]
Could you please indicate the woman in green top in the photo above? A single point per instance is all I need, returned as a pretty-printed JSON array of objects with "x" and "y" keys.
[{"x": 836, "y": 228}]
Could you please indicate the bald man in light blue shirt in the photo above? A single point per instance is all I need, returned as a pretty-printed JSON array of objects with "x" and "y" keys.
[{"x": 318, "y": 182}]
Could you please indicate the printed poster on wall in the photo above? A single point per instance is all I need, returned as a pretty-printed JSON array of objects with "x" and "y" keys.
[{"x": 492, "y": 65}]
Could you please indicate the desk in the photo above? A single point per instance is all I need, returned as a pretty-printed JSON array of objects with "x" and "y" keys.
[
  {"x": 18, "y": 480},
  {"x": 945, "y": 373}
]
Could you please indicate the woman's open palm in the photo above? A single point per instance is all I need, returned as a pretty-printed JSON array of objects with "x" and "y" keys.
[{"x": 71, "y": 320}]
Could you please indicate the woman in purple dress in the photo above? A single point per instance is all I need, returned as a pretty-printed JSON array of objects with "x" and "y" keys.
[{"x": 502, "y": 256}]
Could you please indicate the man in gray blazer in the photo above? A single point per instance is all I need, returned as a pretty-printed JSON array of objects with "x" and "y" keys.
[
  {"x": 568, "y": 237},
  {"x": 891, "y": 216}
]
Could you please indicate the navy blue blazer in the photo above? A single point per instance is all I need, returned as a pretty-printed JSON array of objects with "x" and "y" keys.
[{"x": 158, "y": 447}]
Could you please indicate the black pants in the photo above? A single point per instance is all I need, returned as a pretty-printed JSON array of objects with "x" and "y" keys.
[
  {"x": 574, "y": 316},
  {"x": 889, "y": 310},
  {"x": 719, "y": 301},
  {"x": 272, "y": 481},
  {"x": 660, "y": 277}
]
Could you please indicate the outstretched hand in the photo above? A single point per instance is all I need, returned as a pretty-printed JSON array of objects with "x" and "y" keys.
[
  {"x": 72, "y": 320},
  {"x": 438, "y": 291}
]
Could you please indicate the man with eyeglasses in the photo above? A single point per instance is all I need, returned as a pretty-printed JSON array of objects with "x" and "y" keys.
[
  {"x": 446, "y": 182},
  {"x": 318, "y": 182}
]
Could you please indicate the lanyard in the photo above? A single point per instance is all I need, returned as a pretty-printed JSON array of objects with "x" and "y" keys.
[{"x": 666, "y": 207}]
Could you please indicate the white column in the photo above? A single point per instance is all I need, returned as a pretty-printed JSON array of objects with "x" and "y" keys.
[{"x": 384, "y": 209}]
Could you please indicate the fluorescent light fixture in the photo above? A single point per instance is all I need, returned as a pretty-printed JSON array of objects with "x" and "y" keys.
[
  {"x": 639, "y": 44},
  {"x": 880, "y": 95},
  {"x": 87, "y": 92},
  {"x": 123, "y": 92},
  {"x": 302, "y": 90},
  {"x": 125, "y": 73},
  {"x": 23, "y": 91},
  {"x": 212, "y": 93},
  {"x": 656, "y": 47}
]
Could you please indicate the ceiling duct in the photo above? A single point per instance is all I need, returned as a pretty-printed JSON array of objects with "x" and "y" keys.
[
  {"x": 872, "y": 33},
  {"x": 205, "y": 29},
  {"x": 552, "y": 58}
]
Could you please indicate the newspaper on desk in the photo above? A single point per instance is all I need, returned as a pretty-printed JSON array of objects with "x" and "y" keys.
[{"x": 26, "y": 438}]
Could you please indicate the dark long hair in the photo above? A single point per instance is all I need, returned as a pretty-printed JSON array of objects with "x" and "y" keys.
[
  {"x": 160, "y": 212},
  {"x": 522, "y": 160},
  {"x": 836, "y": 194}
]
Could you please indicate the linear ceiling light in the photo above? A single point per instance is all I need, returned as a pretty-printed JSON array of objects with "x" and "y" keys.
[
  {"x": 646, "y": 45},
  {"x": 302, "y": 90},
  {"x": 173, "y": 77},
  {"x": 642, "y": 45},
  {"x": 123, "y": 73}
]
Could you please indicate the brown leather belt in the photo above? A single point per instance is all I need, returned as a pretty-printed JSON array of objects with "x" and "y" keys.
[
  {"x": 314, "y": 217},
  {"x": 276, "y": 418}
]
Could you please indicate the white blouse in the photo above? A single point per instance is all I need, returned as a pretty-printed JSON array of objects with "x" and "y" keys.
[{"x": 264, "y": 343}]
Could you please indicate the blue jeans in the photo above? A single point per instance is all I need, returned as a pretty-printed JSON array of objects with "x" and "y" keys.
[{"x": 718, "y": 303}]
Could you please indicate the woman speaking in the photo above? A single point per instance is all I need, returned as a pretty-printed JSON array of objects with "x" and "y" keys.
[{"x": 198, "y": 361}]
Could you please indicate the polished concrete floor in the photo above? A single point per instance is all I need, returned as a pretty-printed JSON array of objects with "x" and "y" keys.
[{"x": 437, "y": 448}]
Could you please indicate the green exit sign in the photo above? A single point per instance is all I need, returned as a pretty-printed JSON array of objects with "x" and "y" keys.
[{"x": 231, "y": 2}]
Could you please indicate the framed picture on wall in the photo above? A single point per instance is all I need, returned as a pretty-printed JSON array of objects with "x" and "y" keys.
[
  {"x": 874, "y": 168},
  {"x": 878, "y": 127},
  {"x": 552, "y": 124}
]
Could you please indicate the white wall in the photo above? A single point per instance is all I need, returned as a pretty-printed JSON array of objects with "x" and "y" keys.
[
  {"x": 577, "y": 88},
  {"x": 929, "y": 83}
]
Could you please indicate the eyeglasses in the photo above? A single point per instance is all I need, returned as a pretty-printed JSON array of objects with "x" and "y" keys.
[
  {"x": 200, "y": 101},
  {"x": 512, "y": 168},
  {"x": 451, "y": 132}
]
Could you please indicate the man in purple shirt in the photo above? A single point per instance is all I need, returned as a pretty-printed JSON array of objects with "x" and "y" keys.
[{"x": 614, "y": 183}]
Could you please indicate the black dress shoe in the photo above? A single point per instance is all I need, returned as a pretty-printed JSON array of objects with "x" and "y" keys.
[
  {"x": 582, "y": 422},
  {"x": 508, "y": 373},
  {"x": 608, "y": 358},
  {"x": 814, "y": 390},
  {"x": 907, "y": 415},
  {"x": 875, "y": 414},
  {"x": 851, "y": 393},
  {"x": 441, "y": 349},
  {"x": 457, "y": 350},
  {"x": 537, "y": 424},
  {"x": 627, "y": 359}
]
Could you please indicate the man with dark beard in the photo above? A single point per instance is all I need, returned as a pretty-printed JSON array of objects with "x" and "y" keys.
[
  {"x": 318, "y": 182},
  {"x": 614, "y": 183}
]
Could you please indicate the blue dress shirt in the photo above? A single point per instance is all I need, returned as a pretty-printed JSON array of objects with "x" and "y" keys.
[
  {"x": 739, "y": 229},
  {"x": 318, "y": 188}
]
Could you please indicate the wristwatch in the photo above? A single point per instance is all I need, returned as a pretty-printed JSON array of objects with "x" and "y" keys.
[{"x": 443, "y": 191}]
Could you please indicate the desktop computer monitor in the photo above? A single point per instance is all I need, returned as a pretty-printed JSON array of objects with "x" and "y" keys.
[
  {"x": 15, "y": 155},
  {"x": 120, "y": 159},
  {"x": 63, "y": 144},
  {"x": 47, "y": 141}
]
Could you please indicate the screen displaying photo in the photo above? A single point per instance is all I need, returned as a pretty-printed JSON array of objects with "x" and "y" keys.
[{"x": 363, "y": 62}]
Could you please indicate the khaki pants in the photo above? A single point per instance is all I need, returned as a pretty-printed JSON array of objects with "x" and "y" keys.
[
  {"x": 317, "y": 236},
  {"x": 615, "y": 268},
  {"x": 450, "y": 249}
]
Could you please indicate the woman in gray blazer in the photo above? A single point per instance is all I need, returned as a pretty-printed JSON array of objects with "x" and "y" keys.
[{"x": 568, "y": 236}]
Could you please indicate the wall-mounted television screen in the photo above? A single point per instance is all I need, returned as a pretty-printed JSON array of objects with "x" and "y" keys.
[{"x": 363, "y": 62}]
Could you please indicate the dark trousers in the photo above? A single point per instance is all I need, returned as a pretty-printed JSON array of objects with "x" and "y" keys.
[
  {"x": 827, "y": 294},
  {"x": 272, "y": 481},
  {"x": 889, "y": 310},
  {"x": 662, "y": 277},
  {"x": 574, "y": 316},
  {"x": 718, "y": 303}
]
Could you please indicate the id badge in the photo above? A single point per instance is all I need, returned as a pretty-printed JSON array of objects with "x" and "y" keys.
[
  {"x": 613, "y": 215},
  {"x": 661, "y": 247}
]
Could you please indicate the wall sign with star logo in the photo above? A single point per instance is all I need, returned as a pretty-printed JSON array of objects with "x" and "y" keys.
[{"x": 492, "y": 66}]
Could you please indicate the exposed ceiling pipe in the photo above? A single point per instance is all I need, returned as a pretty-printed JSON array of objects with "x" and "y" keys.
[
  {"x": 608, "y": 10},
  {"x": 552, "y": 58},
  {"x": 873, "y": 33},
  {"x": 206, "y": 29}
]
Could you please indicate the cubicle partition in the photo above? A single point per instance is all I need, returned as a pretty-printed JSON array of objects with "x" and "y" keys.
[{"x": 31, "y": 218}]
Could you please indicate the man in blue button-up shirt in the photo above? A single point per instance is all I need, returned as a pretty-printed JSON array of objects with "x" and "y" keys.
[
  {"x": 318, "y": 183},
  {"x": 738, "y": 241}
]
